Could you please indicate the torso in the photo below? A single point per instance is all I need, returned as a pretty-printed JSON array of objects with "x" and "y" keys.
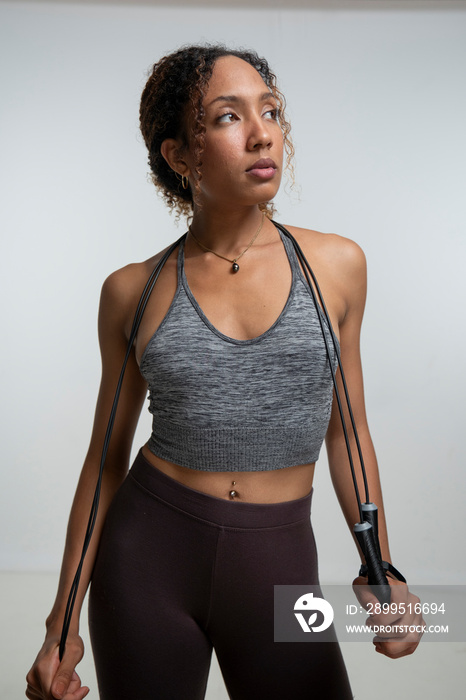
[
  {"x": 256, "y": 487},
  {"x": 242, "y": 306}
]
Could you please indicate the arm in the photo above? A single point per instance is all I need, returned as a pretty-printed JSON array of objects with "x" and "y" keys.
[
  {"x": 352, "y": 283},
  {"x": 48, "y": 677},
  {"x": 352, "y": 290}
]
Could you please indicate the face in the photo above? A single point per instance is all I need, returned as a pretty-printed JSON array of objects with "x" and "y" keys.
[{"x": 242, "y": 158}]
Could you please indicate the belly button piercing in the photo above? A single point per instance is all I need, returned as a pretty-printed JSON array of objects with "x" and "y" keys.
[{"x": 233, "y": 493}]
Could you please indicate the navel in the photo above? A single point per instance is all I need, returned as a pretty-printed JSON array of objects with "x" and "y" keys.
[{"x": 233, "y": 493}]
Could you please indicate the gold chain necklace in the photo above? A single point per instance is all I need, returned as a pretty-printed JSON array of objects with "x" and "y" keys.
[{"x": 234, "y": 262}]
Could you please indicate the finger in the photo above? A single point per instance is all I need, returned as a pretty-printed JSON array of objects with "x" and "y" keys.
[
  {"x": 363, "y": 591},
  {"x": 403, "y": 611},
  {"x": 61, "y": 684},
  {"x": 386, "y": 631},
  {"x": 384, "y": 614},
  {"x": 395, "y": 650},
  {"x": 387, "y": 618},
  {"x": 76, "y": 691},
  {"x": 35, "y": 689},
  {"x": 32, "y": 694},
  {"x": 400, "y": 619},
  {"x": 65, "y": 674},
  {"x": 78, "y": 694},
  {"x": 404, "y": 632}
]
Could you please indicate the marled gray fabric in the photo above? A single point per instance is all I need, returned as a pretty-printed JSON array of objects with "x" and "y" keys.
[{"x": 221, "y": 404}]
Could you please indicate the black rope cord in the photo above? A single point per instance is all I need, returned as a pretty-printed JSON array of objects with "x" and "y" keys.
[
  {"x": 322, "y": 309},
  {"x": 95, "y": 503},
  {"x": 370, "y": 547}
]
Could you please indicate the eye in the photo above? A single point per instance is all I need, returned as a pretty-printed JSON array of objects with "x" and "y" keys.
[
  {"x": 226, "y": 118},
  {"x": 271, "y": 114}
]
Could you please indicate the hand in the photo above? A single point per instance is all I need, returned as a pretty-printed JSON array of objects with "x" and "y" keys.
[
  {"x": 49, "y": 679},
  {"x": 402, "y": 615}
]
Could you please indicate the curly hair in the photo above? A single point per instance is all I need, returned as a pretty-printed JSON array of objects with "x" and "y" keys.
[{"x": 176, "y": 87}]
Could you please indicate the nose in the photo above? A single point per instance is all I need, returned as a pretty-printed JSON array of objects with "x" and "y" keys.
[{"x": 259, "y": 134}]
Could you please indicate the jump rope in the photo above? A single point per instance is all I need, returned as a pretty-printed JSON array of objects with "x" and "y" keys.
[{"x": 366, "y": 530}]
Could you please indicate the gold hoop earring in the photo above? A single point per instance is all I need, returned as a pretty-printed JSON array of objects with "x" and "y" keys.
[{"x": 184, "y": 182}]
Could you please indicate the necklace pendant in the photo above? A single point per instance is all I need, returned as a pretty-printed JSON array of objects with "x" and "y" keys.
[{"x": 235, "y": 267}]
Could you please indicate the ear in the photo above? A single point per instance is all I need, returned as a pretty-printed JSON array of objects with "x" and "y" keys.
[{"x": 172, "y": 150}]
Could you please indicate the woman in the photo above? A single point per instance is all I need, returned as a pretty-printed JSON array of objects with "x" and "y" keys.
[{"x": 215, "y": 510}]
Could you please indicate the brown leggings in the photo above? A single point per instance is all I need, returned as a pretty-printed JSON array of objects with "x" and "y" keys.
[{"x": 179, "y": 572}]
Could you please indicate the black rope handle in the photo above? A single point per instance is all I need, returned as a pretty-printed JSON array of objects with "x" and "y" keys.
[{"x": 108, "y": 433}]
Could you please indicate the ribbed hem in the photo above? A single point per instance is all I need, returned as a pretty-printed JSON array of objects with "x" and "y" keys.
[{"x": 230, "y": 449}]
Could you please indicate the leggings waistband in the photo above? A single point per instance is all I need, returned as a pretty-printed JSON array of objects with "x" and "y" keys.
[{"x": 218, "y": 511}]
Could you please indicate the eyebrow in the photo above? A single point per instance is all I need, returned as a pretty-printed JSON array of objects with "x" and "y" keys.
[{"x": 234, "y": 98}]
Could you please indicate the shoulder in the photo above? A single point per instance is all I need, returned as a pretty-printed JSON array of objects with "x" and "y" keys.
[
  {"x": 331, "y": 249},
  {"x": 339, "y": 264},
  {"x": 122, "y": 289},
  {"x": 123, "y": 284}
]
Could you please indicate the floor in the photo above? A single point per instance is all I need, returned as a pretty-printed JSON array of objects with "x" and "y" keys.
[{"x": 436, "y": 671}]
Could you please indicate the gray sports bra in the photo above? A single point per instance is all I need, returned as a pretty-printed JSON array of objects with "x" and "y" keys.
[{"x": 222, "y": 404}]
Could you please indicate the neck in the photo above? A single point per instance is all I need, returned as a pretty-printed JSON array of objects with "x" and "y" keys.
[{"x": 228, "y": 233}]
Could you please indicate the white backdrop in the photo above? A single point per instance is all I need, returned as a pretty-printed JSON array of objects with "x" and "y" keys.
[{"x": 378, "y": 107}]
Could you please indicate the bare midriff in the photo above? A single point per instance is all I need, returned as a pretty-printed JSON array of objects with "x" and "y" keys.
[{"x": 272, "y": 486}]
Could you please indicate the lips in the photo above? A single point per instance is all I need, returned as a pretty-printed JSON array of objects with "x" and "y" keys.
[
  {"x": 263, "y": 164},
  {"x": 264, "y": 168}
]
